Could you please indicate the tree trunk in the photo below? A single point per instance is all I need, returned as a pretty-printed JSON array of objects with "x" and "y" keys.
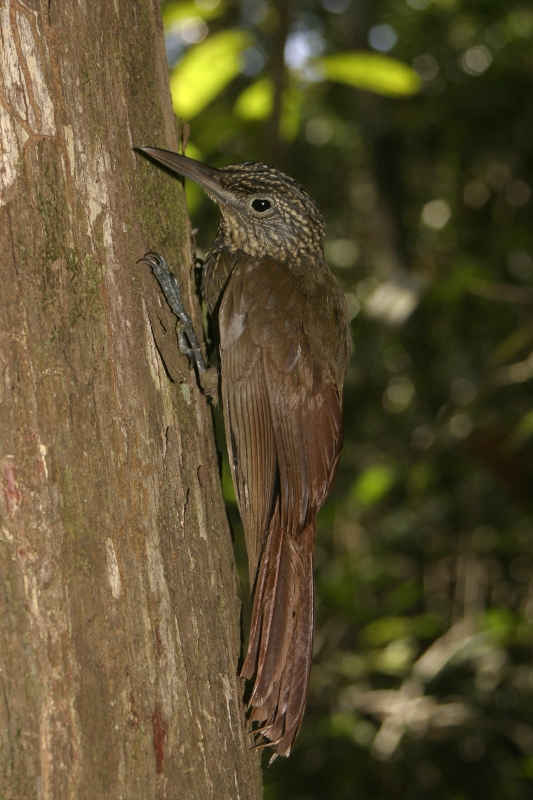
[{"x": 119, "y": 617}]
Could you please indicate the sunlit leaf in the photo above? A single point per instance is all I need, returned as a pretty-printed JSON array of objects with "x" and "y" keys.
[
  {"x": 173, "y": 12},
  {"x": 373, "y": 484},
  {"x": 256, "y": 101},
  {"x": 206, "y": 70},
  {"x": 371, "y": 71}
]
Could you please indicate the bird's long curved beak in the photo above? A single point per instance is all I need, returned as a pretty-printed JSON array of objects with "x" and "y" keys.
[{"x": 206, "y": 177}]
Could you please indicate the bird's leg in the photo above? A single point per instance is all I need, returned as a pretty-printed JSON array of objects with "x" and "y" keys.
[{"x": 188, "y": 343}]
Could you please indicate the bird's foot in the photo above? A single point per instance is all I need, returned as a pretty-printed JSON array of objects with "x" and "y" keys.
[{"x": 188, "y": 343}]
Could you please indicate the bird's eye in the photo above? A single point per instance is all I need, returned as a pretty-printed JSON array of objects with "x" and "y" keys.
[{"x": 261, "y": 204}]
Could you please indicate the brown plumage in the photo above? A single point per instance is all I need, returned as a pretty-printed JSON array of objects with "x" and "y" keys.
[{"x": 284, "y": 348}]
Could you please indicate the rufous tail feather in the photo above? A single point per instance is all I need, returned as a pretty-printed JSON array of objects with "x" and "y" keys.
[{"x": 281, "y": 636}]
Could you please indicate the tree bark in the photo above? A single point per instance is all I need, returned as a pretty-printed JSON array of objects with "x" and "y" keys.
[{"x": 119, "y": 616}]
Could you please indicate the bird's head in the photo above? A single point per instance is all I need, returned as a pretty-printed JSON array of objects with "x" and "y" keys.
[{"x": 264, "y": 212}]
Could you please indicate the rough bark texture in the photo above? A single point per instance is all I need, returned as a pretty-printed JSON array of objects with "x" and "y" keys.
[{"x": 119, "y": 619}]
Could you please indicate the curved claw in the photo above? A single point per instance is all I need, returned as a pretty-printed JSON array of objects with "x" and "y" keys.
[
  {"x": 171, "y": 289},
  {"x": 153, "y": 260}
]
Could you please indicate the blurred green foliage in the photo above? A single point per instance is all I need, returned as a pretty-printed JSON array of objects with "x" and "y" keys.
[
  {"x": 205, "y": 70},
  {"x": 422, "y": 684},
  {"x": 371, "y": 71}
]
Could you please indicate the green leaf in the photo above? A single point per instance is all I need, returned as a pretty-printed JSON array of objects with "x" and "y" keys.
[
  {"x": 174, "y": 12},
  {"x": 371, "y": 71},
  {"x": 373, "y": 484},
  {"x": 206, "y": 70},
  {"x": 255, "y": 103}
]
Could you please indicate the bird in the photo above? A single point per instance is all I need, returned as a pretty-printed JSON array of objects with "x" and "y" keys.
[{"x": 284, "y": 345}]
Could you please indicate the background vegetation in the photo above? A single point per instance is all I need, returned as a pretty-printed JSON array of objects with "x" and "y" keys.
[{"x": 411, "y": 123}]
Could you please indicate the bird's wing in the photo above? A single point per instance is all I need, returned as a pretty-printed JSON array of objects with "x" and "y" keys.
[
  {"x": 284, "y": 348},
  {"x": 247, "y": 418},
  {"x": 281, "y": 394}
]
